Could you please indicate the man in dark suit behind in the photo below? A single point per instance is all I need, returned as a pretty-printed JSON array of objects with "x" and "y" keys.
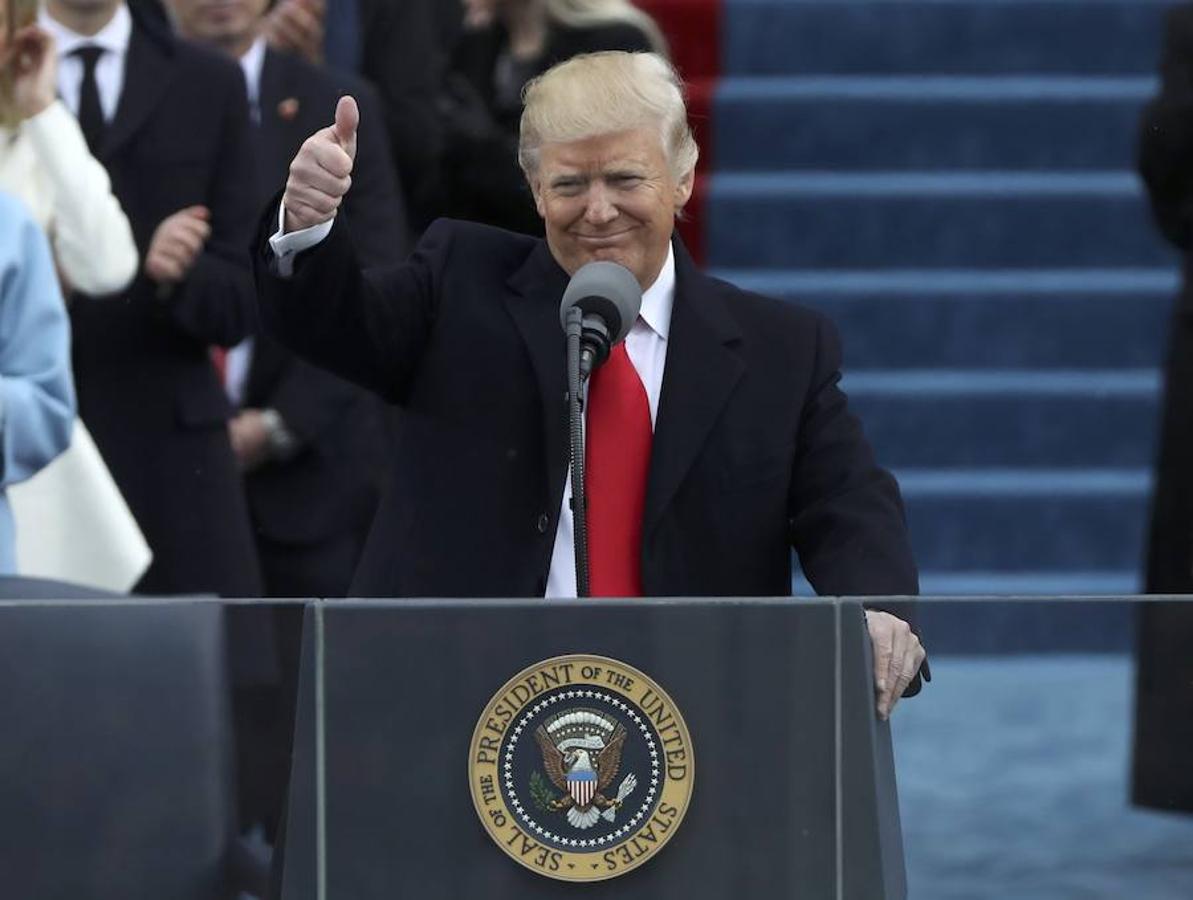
[
  {"x": 169, "y": 123},
  {"x": 309, "y": 442},
  {"x": 311, "y": 445},
  {"x": 722, "y": 438}
]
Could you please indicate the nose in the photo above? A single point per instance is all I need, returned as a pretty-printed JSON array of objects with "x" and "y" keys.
[{"x": 600, "y": 208}]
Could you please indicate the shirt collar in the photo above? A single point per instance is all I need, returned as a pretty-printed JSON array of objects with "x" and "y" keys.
[
  {"x": 253, "y": 63},
  {"x": 113, "y": 37},
  {"x": 660, "y": 297}
]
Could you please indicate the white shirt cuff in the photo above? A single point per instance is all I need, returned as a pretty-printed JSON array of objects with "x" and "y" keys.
[{"x": 287, "y": 246}]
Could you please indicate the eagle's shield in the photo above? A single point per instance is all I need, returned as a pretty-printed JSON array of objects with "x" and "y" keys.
[{"x": 582, "y": 787}]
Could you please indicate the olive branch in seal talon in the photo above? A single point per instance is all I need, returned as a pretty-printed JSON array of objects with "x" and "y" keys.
[{"x": 542, "y": 796}]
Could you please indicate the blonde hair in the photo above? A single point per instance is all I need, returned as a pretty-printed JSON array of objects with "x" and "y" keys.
[
  {"x": 603, "y": 93},
  {"x": 587, "y": 13}
]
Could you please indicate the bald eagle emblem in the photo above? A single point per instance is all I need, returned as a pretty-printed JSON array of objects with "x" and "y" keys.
[{"x": 582, "y": 755}]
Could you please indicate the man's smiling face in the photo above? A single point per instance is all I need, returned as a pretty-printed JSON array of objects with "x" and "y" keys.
[{"x": 611, "y": 197}]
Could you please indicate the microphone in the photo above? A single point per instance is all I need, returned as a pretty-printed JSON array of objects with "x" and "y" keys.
[{"x": 608, "y": 298}]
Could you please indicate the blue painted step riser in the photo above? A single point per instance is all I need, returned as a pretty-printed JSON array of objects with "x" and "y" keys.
[
  {"x": 831, "y": 133},
  {"x": 792, "y": 230},
  {"x": 1014, "y": 333},
  {"x": 1031, "y": 331},
  {"x": 1009, "y": 430},
  {"x": 1033, "y": 533},
  {"x": 973, "y": 37},
  {"x": 1003, "y": 628}
]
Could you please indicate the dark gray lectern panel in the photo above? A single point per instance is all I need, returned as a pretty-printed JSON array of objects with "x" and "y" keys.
[
  {"x": 116, "y": 752},
  {"x": 404, "y": 685}
]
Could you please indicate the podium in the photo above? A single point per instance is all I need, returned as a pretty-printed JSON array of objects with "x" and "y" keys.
[{"x": 792, "y": 789}]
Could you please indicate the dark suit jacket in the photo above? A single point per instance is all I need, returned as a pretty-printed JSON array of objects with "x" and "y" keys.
[
  {"x": 754, "y": 449},
  {"x": 146, "y": 386},
  {"x": 331, "y": 485},
  {"x": 402, "y": 56},
  {"x": 1162, "y": 776}
]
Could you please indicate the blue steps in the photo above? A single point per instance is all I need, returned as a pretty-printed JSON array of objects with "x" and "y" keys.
[
  {"x": 965, "y": 319},
  {"x": 954, "y": 419},
  {"x": 951, "y": 181},
  {"x": 1092, "y": 37},
  {"x": 918, "y": 123},
  {"x": 1016, "y": 521},
  {"x": 828, "y": 220}
]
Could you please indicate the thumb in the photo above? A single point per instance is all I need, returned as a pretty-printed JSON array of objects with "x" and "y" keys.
[
  {"x": 198, "y": 212},
  {"x": 347, "y": 121}
]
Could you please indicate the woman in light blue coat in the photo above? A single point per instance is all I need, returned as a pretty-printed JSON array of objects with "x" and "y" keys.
[{"x": 37, "y": 395}]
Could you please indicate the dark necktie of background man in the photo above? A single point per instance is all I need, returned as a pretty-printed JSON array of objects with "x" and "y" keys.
[{"x": 91, "y": 113}]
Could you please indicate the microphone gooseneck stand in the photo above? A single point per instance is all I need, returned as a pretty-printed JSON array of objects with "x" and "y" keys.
[{"x": 575, "y": 404}]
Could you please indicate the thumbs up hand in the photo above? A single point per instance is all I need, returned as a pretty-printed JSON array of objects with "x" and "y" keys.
[{"x": 321, "y": 173}]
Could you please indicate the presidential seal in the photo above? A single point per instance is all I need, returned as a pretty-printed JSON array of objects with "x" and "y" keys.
[{"x": 581, "y": 768}]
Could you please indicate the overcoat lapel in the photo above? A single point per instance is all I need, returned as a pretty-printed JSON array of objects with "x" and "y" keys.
[
  {"x": 703, "y": 366},
  {"x": 148, "y": 72},
  {"x": 532, "y": 298}
]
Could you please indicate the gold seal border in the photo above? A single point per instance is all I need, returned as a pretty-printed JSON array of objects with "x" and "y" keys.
[{"x": 502, "y": 824}]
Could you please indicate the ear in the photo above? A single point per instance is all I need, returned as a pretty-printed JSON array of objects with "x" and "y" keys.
[
  {"x": 683, "y": 189},
  {"x": 536, "y": 191}
]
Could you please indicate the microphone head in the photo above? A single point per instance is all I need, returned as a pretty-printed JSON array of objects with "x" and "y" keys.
[{"x": 606, "y": 290}]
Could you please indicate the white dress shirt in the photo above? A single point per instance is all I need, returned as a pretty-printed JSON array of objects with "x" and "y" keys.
[
  {"x": 252, "y": 63},
  {"x": 646, "y": 346},
  {"x": 109, "y": 71}
]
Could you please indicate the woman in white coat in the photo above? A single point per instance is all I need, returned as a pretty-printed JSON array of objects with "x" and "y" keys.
[
  {"x": 45, "y": 162},
  {"x": 72, "y": 523}
]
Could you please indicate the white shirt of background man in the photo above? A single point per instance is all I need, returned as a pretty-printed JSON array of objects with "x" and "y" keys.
[{"x": 109, "y": 70}]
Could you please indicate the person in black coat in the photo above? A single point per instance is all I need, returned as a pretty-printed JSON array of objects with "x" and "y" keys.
[
  {"x": 311, "y": 445},
  {"x": 754, "y": 449},
  {"x": 396, "y": 45},
  {"x": 1162, "y": 775},
  {"x": 311, "y": 465},
  {"x": 504, "y": 45},
  {"x": 169, "y": 123}
]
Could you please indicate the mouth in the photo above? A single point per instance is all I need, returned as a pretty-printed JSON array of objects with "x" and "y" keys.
[{"x": 602, "y": 240}]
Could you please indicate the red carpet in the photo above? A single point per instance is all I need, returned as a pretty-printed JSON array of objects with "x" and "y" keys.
[{"x": 693, "y": 30}]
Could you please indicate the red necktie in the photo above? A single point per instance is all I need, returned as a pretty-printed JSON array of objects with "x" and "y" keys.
[
  {"x": 617, "y": 459},
  {"x": 219, "y": 359}
]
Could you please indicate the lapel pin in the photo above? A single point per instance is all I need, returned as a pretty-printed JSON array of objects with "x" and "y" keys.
[{"x": 288, "y": 109}]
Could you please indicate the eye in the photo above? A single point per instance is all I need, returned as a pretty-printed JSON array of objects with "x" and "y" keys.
[
  {"x": 625, "y": 180},
  {"x": 568, "y": 187}
]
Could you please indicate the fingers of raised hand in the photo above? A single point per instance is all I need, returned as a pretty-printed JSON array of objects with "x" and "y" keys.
[
  {"x": 320, "y": 176},
  {"x": 329, "y": 155}
]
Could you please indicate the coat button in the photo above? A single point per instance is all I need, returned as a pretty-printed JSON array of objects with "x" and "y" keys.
[{"x": 544, "y": 523}]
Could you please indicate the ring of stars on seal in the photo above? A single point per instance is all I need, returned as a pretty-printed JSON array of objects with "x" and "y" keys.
[{"x": 581, "y": 768}]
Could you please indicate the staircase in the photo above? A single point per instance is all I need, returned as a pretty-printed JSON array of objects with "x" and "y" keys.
[{"x": 952, "y": 182}]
